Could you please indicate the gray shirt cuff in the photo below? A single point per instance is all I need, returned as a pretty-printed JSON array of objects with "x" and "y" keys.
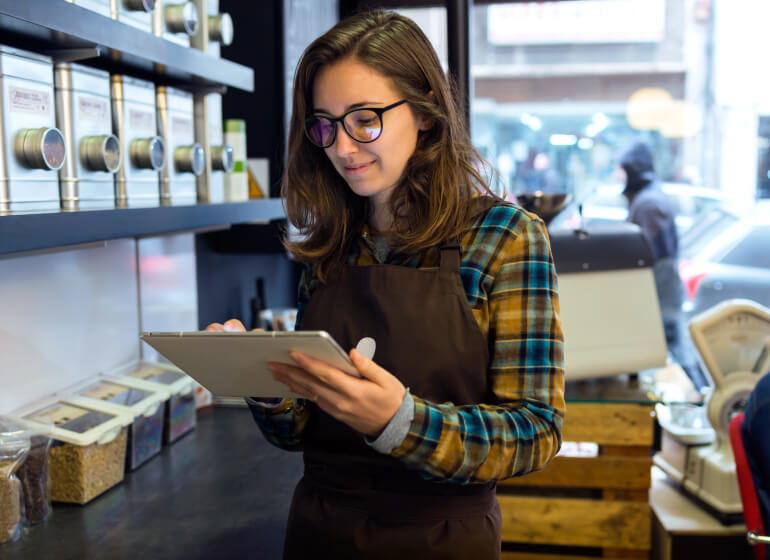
[{"x": 395, "y": 432}]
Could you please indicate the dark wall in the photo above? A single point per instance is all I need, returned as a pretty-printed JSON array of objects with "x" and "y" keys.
[
  {"x": 258, "y": 44},
  {"x": 230, "y": 261}
]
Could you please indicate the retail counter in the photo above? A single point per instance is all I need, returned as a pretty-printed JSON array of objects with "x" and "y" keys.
[{"x": 219, "y": 492}]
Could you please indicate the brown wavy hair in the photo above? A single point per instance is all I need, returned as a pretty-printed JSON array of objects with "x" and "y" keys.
[{"x": 433, "y": 197}]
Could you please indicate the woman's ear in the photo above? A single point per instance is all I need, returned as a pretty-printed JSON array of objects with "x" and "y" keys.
[{"x": 426, "y": 123}]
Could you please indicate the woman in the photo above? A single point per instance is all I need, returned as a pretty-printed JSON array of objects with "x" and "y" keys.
[{"x": 457, "y": 290}]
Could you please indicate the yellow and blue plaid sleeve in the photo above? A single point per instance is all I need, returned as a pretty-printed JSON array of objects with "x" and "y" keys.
[{"x": 510, "y": 279}]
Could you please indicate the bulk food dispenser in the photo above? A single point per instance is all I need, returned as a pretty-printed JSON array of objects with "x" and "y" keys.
[
  {"x": 83, "y": 113},
  {"x": 32, "y": 149},
  {"x": 145, "y": 433},
  {"x": 137, "y": 13},
  {"x": 180, "y": 407},
  {"x": 185, "y": 159},
  {"x": 88, "y": 453},
  {"x": 142, "y": 150},
  {"x": 175, "y": 21}
]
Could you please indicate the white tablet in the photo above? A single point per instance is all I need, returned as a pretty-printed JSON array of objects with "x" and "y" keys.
[{"x": 235, "y": 363}]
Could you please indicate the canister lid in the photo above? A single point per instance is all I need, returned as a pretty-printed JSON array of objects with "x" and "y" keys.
[
  {"x": 23, "y": 54},
  {"x": 76, "y": 423},
  {"x": 65, "y": 68},
  {"x": 123, "y": 80}
]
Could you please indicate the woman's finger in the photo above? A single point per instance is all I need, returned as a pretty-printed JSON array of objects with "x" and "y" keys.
[
  {"x": 215, "y": 327},
  {"x": 234, "y": 325}
]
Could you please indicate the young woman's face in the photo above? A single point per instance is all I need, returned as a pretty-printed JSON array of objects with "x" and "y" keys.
[{"x": 372, "y": 169}]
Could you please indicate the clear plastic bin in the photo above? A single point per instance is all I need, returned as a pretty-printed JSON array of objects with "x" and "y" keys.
[
  {"x": 180, "y": 407},
  {"x": 14, "y": 446},
  {"x": 145, "y": 434},
  {"x": 88, "y": 454}
]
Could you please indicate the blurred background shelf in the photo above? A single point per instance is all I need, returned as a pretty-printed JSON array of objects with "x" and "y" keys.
[
  {"x": 33, "y": 232},
  {"x": 58, "y": 28}
]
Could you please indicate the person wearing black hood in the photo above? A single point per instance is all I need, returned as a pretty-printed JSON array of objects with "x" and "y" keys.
[{"x": 653, "y": 212}]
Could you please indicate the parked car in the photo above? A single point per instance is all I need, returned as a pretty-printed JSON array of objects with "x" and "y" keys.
[{"x": 726, "y": 256}]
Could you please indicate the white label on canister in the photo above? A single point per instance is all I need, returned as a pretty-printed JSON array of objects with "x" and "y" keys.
[
  {"x": 141, "y": 119},
  {"x": 92, "y": 108},
  {"x": 60, "y": 414},
  {"x": 181, "y": 127},
  {"x": 105, "y": 391},
  {"x": 29, "y": 100}
]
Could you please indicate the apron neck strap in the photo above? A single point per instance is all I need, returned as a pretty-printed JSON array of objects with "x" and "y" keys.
[{"x": 450, "y": 256}]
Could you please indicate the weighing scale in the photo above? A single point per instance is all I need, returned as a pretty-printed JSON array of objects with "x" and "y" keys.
[{"x": 733, "y": 342}]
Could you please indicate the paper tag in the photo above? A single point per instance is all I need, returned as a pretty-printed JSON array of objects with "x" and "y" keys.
[
  {"x": 181, "y": 127},
  {"x": 92, "y": 109},
  {"x": 141, "y": 119},
  {"x": 29, "y": 100}
]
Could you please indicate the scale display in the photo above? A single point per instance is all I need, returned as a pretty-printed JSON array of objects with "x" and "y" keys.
[{"x": 733, "y": 338}]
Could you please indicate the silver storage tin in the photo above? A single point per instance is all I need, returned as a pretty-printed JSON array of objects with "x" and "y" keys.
[
  {"x": 32, "y": 149},
  {"x": 142, "y": 150},
  {"x": 216, "y": 28},
  {"x": 137, "y": 13},
  {"x": 83, "y": 114},
  {"x": 209, "y": 134},
  {"x": 175, "y": 20},
  {"x": 99, "y": 6},
  {"x": 185, "y": 158}
]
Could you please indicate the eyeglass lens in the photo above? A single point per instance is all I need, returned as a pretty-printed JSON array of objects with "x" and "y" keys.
[{"x": 363, "y": 125}]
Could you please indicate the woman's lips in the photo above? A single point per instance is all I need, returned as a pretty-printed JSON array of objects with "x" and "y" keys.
[{"x": 358, "y": 168}]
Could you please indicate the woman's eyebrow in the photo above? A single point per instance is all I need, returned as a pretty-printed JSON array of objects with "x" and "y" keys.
[{"x": 349, "y": 107}]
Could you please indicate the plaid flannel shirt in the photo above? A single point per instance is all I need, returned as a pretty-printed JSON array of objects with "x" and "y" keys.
[{"x": 509, "y": 278}]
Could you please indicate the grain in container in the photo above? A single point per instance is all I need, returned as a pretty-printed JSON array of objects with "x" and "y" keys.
[{"x": 14, "y": 446}]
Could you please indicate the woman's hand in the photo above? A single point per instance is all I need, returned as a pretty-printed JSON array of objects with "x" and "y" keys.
[
  {"x": 231, "y": 325},
  {"x": 366, "y": 404}
]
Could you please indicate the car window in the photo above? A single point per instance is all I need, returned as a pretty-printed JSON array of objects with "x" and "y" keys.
[
  {"x": 704, "y": 231},
  {"x": 753, "y": 250}
]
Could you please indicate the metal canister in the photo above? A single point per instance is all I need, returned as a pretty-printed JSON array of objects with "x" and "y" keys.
[
  {"x": 185, "y": 158},
  {"x": 175, "y": 20},
  {"x": 219, "y": 156},
  {"x": 32, "y": 149},
  {"x": 216, "y": 28},
  {"x": 137, "y": 13},
  {"x": 83, "y": 114},
  {"x": 142, "y": 150}
]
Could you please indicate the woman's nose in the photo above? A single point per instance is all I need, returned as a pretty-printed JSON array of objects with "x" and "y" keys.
[{"x": 344, "y": 144}]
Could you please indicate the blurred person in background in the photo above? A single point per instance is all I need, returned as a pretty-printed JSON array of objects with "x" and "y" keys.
[
  {"x": 544, "y": 177},
  {"x": 653, "y": 212}
]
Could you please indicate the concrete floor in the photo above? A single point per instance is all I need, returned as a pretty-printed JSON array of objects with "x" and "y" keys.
[{"x": 219, "y": 492}]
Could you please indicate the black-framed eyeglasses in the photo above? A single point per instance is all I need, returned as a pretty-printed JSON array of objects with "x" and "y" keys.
[{"x": 363, "y": 125}]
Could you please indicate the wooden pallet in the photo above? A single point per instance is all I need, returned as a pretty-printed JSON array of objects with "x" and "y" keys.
[{"x": 586, "y": 507}]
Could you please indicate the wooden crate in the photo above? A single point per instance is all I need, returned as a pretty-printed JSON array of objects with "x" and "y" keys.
[{"x": 586, "y": 507}]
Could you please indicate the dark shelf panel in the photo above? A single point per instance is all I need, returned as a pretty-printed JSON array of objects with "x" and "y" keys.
[
  {"x": 32, "y": 232},
  {"x": 55, "y": 25}
]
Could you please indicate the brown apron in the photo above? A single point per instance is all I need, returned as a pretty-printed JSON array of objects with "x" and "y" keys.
[{"x": 354, "y": 502}]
